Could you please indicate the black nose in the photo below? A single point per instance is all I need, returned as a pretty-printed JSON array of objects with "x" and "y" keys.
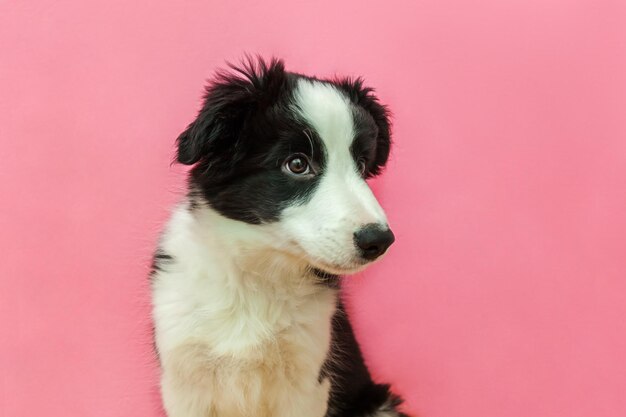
[{"x": 373, "y": 240}]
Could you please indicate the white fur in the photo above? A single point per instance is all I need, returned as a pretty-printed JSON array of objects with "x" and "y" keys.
[{"x": 242, "y": 328}]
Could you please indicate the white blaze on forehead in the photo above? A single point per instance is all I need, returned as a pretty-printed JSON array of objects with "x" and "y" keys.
[
  {"x": 342, "y": 189},
  {"x": 329, "y": 112},
  {"x": 324, "y": 225}
]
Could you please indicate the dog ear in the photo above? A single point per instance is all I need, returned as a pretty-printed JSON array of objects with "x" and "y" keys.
[
  {"x": 364, "y": 96},
  {"x": 229, "y": 101}
]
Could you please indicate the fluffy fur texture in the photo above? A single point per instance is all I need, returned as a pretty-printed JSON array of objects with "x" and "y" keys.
[{"x": 246, "y": 304}]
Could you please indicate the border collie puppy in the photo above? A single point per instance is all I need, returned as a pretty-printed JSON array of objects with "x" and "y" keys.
[{"x": 248, "y": 317}]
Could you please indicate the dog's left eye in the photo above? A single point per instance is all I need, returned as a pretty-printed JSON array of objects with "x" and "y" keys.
[{"x": 298, "y": 164}]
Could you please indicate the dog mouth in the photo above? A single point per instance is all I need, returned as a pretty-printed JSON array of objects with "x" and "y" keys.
[
  {"x": 324, "y": 275},
  {"x": 326, "y": 270}
]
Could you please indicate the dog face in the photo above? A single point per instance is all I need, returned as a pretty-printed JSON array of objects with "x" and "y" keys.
[{"x": 289, "y": 155}]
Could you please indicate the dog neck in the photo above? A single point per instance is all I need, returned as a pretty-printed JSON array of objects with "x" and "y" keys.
[
  {"x": 247, "y": 255},
  {"x": 220, "y": 268}
]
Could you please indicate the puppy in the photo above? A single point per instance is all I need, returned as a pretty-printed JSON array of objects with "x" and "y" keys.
[{"x": 246, "y": 299}]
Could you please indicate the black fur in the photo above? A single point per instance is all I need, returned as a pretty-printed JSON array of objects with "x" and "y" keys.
[
  {"x": 369, "y": 108},
  {"x": 160, "y": 260},
  {"x": 353, "y": 392}
]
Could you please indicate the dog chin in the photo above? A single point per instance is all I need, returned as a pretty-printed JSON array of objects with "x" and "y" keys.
[{"x": 333, "y": 269}]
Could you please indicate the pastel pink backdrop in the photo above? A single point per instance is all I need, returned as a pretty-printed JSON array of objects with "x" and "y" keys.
[{"x": 505, "y": 294}]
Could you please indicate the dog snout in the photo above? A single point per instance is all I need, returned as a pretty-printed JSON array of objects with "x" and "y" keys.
[{"x": 373, "y": 240}]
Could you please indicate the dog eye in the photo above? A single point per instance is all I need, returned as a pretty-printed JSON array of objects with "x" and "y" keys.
[{"x": 298, "y": 164}]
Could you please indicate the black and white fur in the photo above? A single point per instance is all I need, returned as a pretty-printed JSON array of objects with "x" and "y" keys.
[{"x": 246, "y": 302}]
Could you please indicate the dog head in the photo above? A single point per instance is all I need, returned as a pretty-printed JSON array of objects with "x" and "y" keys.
[{"x": 289, "y": 155}]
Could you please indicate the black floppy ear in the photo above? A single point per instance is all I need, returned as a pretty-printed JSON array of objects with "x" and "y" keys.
[
  {"x": 364, "y": 96},
  {"x": 229, "y": 100}
]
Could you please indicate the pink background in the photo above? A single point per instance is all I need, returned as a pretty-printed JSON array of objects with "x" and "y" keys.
[{"x": 505, "y": 294}]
